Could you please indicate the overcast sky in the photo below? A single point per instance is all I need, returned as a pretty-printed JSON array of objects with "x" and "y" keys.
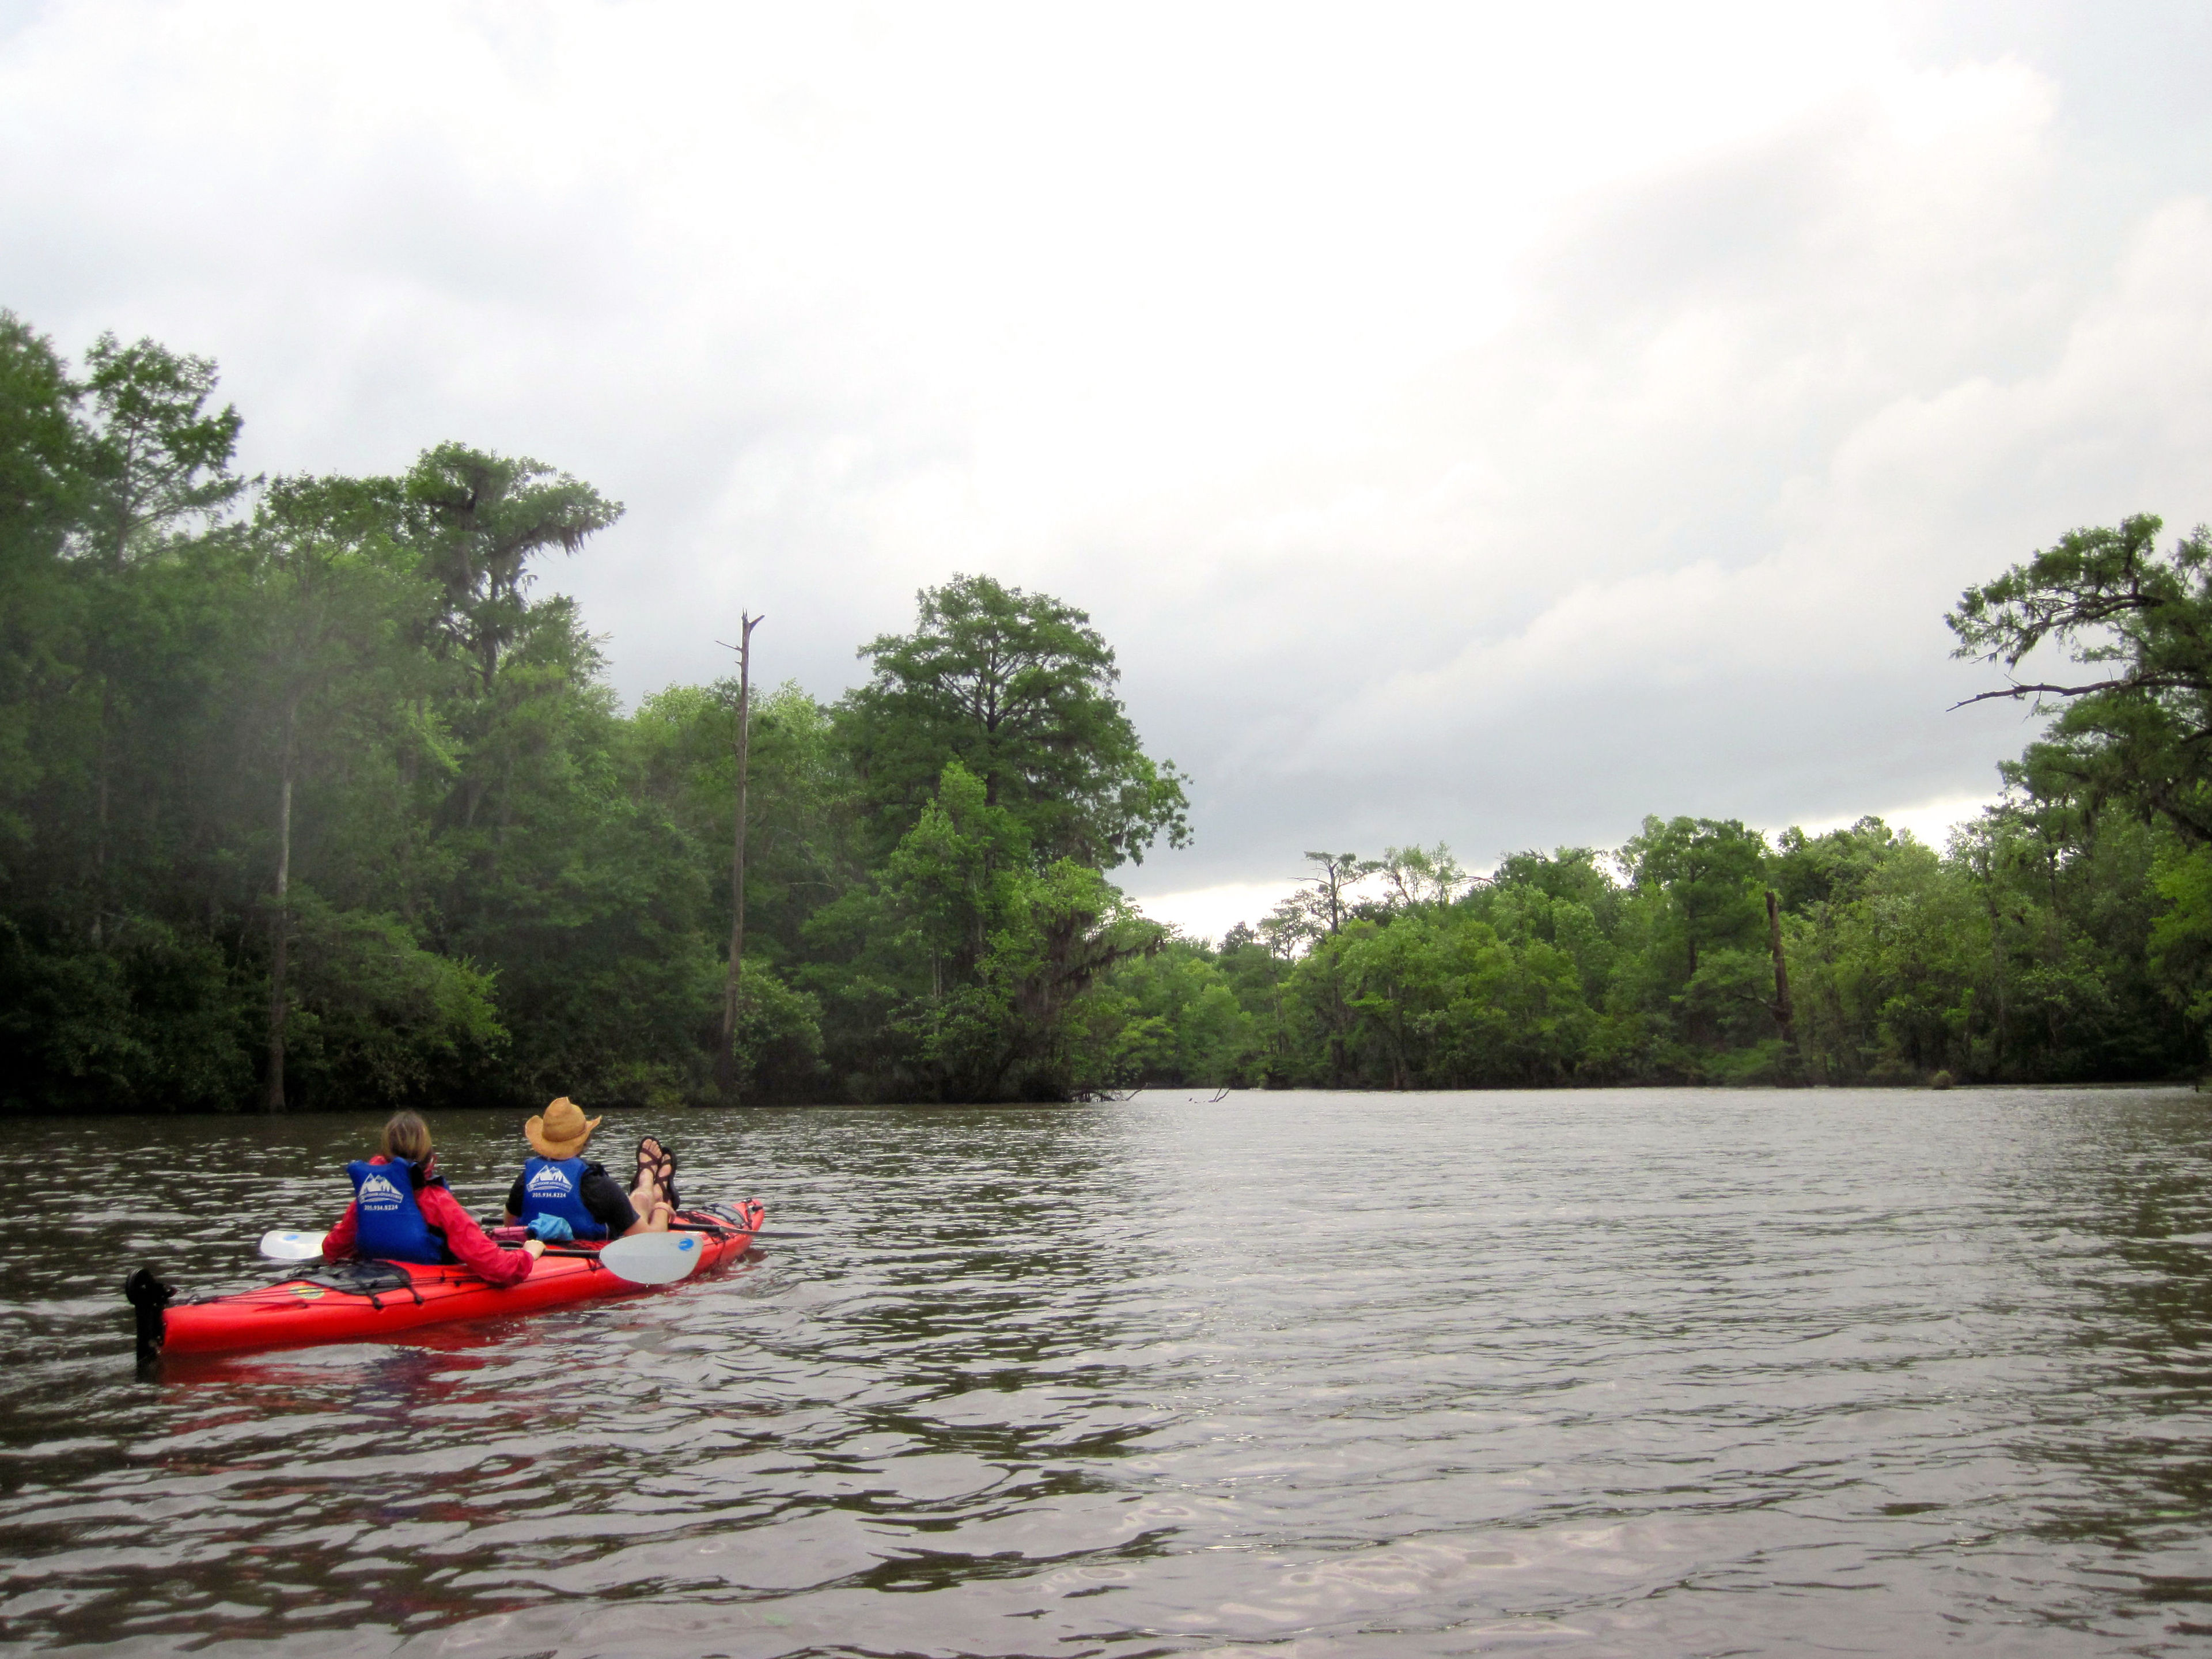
[{"x": 1485, "y": 424}]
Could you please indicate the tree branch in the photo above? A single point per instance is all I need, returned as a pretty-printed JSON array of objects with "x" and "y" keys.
[{"x": 2133, "y": 682}]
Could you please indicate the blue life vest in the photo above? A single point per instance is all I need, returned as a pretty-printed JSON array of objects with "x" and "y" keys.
[
  {"x": 390, "y": 1225},
  {"x": 556, "y": 1187}
]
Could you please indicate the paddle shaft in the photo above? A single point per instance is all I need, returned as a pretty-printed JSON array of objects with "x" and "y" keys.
[{"x": 710, "y": 1227}]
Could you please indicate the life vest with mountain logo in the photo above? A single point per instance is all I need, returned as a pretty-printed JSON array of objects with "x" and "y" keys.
[
  {"x": 555, "y": 1186},
  {"x": 390, "y": 1225}
]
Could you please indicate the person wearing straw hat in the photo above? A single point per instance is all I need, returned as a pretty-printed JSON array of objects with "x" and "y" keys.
[{"x": 559, "y": 1190}]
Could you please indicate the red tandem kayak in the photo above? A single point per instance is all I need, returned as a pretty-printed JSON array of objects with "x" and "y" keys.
[{"x": 318, "y": 1306}]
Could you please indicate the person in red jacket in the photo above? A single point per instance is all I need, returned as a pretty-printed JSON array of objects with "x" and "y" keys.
[{"x": 402, "y": 1212}]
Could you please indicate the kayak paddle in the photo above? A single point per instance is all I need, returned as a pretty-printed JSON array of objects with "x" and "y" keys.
[
  {"x": 292, "y": 1247},
  {"x": 643, "y": 1258}
]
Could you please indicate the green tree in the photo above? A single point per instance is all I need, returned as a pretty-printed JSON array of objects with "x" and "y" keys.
[
  {"x": 158, "y": 459},
  {"x": 340, "y": 599},
  {"x": 1710, "y": 872},
  {"x": 478, "y": 519},
  {"x": 43, "y": 463},
  {"x": 2133, "y": 732},
  {"x": 1171, "y": 1018},
  {"x": 1415, "y": 877},
  {"x": 970, "y": 960},
  {"x": 1019, "y": 687},
  {"x": 157, "y": 468}
]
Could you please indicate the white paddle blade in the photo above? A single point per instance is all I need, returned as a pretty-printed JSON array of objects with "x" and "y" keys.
[
  {"x": 652, "y": 1258},
  {"x": 292, "y": 1247}
]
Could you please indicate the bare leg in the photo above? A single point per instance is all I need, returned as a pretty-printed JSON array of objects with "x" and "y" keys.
[{"x": 645, "y": 1198}]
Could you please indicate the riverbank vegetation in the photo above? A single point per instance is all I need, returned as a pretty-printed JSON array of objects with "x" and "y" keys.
[
  {"x": 312, "y": 797},
  {"x": 2028, "y": 951}
]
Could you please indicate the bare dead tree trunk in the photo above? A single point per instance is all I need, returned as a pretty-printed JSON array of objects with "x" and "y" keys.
[
  {"x": 1785, "y": 1011},
  {"x": 280, "y": 926},
  {"x": 726, "y": 1064}
]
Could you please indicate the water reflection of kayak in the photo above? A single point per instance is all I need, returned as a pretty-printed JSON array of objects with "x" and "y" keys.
[{"x": 355, "y": 1302}]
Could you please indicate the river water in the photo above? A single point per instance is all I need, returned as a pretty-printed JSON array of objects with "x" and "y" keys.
[{"x": 1636, "y": 1372}]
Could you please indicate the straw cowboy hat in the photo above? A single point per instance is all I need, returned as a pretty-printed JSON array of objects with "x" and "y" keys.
[{"x": 562, "y": 1130}]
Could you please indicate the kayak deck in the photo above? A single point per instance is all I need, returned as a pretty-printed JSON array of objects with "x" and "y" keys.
[{"x": 297, "y": 1313}]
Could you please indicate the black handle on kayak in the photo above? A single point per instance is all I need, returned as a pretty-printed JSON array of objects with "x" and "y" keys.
[{"x": 150, "y": 1300}]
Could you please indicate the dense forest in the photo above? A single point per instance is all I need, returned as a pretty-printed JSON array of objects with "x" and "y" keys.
[{"x": 312, "y": 797}]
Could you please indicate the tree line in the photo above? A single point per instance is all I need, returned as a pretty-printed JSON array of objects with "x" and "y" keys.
[
  {"x": 310, "y": 797},
  {"x": 1701, "y": 952}
]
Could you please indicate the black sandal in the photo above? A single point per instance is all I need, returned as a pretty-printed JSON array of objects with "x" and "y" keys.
[{"x": 664, "y": 1175}]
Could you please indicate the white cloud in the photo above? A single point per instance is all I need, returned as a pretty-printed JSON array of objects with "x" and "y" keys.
[{"x": 1208, "y": 912}]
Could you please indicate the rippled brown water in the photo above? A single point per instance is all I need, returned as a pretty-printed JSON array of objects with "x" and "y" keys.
[{"x": 1635, "y": 1373}]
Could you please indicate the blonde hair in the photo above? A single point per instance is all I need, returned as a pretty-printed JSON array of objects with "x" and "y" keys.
[{"x": 407, "y": 1136}]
